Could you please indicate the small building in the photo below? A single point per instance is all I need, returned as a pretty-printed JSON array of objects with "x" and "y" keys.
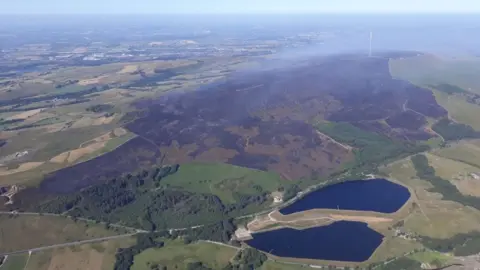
[
  {"x": 277, "y": 197},
  {"x": 242, "y": 234}
]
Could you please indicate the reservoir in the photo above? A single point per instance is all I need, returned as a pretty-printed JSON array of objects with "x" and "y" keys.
[
  {"x": 378, "y": 195},
  {"x": 340, "y": 241}
]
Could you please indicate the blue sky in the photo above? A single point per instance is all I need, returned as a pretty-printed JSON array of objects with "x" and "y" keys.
[{"x": 236, "y": 6}]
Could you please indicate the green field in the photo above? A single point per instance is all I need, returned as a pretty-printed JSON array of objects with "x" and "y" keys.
[
  {"x": 432, "y": 257},
  {"x": 433, "y": 216},
  {"x": 39, "y": 260},
  {"x": 459, "y": 109},
  {"x": 15, "y": 262},
  {"x": 109, "y": 146},
  {"x": 450, "y": 80},
  {"x": 432, "y": 70},
  {"x": 47, "y": 145},
  {"x": 272, "y": 265},
  {"x": 464, "y": 151},
  {"x": 371, "y": 149},
  {"x": 95, "y": 256},
  {"x": 176, "y": 255},
  {"x": 26, "y": 232},
  {"x": 223, "y": 180}
]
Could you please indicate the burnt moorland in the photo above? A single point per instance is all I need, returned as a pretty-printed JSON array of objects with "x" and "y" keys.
[{"x": 263, "y": 119}]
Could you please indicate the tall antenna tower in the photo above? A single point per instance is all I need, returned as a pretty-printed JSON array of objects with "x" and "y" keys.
[{"x": 370, "y": 50}]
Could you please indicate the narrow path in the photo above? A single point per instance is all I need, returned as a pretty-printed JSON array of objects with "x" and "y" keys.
[
  {"x": 101, "y": 239},
  {"x": 300, "y": 219},
  {"x": 64, "y": 215},
  {"x": 220, "y": 244},
  {"x": 344, "y": 146},
  {"x": 404, "y": 107},
  {"x": 28, "y": 259}
]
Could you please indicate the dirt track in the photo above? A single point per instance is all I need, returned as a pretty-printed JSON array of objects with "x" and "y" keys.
[{"x": 310, "y": 218}]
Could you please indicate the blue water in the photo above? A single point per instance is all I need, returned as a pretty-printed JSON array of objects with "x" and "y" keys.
[
  {"x": 340, "y": 241},
  {"x": 378, "y": 195}
]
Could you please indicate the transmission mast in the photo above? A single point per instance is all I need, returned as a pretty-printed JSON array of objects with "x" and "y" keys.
[{"x": 370, "y": 49}]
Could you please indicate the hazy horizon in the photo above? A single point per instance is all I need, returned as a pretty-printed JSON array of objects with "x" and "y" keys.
[{"x": 91, "y": 7}]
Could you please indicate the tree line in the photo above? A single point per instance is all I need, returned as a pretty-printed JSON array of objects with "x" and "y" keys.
[
  {"x": 139, "y": 200},
  {"x": 452, "y": 131},
  {"x": 460, "y": 244}
]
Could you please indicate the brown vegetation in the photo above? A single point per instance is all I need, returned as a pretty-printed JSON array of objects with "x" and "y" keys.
[{"x": 21, "y": 168}]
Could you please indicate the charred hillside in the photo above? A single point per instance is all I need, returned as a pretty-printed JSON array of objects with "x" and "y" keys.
[{"x": 265, "y": 119}]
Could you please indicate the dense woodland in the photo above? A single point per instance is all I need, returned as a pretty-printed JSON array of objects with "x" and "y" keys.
[
  {"x": 125, "y": 256},
  {"x": 452, "y": 131},
  {"x": 138, "y": 200},
  {"x": 449, "y": 89}
]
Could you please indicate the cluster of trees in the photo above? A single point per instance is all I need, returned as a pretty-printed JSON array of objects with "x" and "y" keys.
[
  {"x": 403, "y": 263},
  {"x": 464, "y": 244},
  {"x": 130, "y": 116},
  {"x": 452, "y": 131},
  {"x": 460, "y": 244},
  {"x": 71, "y": 95},
  {"x": 221, "y": 231},
  {"x": 162, "y": 172},
  {"x": 440, "y": 185},
  {"x": 124, "y": 256},
  {"x": 100, "y": 108},
  {"x": 148, "y": 81},
  {"x": 36, "y": 124},
  {"x": 371, "y": 149},
  {"x": 9, "y": 122},
  {"x": 162, "y": 74},
  {"x": 66, "y": 83},
  {"x": 4, "y": 124},
  {"x": 291, "y": 192},
  {"x": 247, "y": 259},
  {"x": 111, "y": 194},
  {"x": 197, "y": 266},
  {"x": 449, "y": 89},
  {"x": 138, "y": 200}
]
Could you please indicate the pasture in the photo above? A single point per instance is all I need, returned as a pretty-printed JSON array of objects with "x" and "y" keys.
[
  {"x": 96, "y": 256},
  {"x": 176, "y": 255},
  {"x": 462, "y": 175},
  {"x": 459, "y": 109},
  {"x": 53, "y": 151},
  {"x": 274, "y": 265},
  {"x": 223, "y": 180},
  {"x": 25, "y": 232},
  {"x": 431, "y": 257},
  {"x": 431, "y": 215},
  {"x": 15, "y": 262},
  {"x": 467, "y": 151},
  {"x": 430, "y": 69}
]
